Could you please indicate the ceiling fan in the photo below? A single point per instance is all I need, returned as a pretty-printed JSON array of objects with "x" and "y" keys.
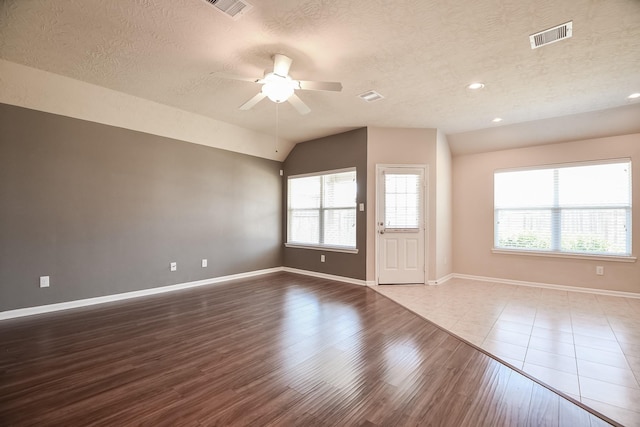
[{"x": 278, "y": 86}]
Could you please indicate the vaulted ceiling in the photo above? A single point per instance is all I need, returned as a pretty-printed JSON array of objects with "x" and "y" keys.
[{"x": 419, "y": 54}]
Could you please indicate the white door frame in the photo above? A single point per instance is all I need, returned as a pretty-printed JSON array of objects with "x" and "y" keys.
[{"x": 425, "y": 188}]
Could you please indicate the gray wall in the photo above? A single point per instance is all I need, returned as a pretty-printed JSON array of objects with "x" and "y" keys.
[
  {"x": 104, "y": 210},
  {"x": 344, "y": 150}
]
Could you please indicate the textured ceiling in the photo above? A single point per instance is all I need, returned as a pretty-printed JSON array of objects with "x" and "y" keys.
[{"x": 419, "y": 54}]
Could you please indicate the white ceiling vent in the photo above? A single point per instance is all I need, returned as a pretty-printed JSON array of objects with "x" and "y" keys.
[
  {"x": 370, "y": 96},
  {"x": 551, "y": 35},
  {"x": 232, "y": 8}
]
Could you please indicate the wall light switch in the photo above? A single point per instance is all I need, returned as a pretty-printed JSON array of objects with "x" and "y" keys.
[
  {"x": 173, "y": 266},
  {"x": 322, "y": 259},
  {"x": 204, "y": 263},
  {"x": 44, "y": 281},
  {"x": 600, "y": 270},
  {"x": 361, "y": 206}
]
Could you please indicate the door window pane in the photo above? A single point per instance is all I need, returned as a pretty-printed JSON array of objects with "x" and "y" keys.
[{"x": 402, "y": 200}]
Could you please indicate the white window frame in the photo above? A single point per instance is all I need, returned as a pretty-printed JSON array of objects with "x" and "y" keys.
[
  {"x": 555, "y": 250},
  {"x": 321, "y": 210}
]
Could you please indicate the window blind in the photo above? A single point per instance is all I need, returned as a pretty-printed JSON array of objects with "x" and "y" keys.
[
  {"x": 402, "y": 201},
  {"x": 322, "y": 209},
  {"x": 583, "y": 208}
]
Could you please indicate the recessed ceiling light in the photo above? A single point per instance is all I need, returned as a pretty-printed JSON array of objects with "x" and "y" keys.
[
  {"x": 475, "y": 86},
  {"x": 497, "y": 120},
  {"x": 634, "y": 95}
]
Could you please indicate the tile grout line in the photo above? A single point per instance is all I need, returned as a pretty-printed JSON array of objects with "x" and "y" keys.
[
  {"x": 635, "y": 376},
  {"x": 526, "y": 352}
]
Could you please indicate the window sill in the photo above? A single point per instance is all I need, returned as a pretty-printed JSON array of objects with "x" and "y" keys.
[
  {"x": 322, "y": 248},
  {"x": 614, "y": 258}
]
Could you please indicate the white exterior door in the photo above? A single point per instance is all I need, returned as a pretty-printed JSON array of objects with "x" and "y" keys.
[{"x": 401, "y": 224}]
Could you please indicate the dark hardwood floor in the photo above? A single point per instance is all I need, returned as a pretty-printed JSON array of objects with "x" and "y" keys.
[{"x": 280, "y": 349}]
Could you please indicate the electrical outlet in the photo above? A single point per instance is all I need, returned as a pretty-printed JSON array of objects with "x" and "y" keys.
[
  {"x": 204, "y": 263},
  {"x": 44, "y": 281},
  {"x": 322, "y": 258},
  {"x": 600, "y": 270},
  {"x": 173, "y": 266}
]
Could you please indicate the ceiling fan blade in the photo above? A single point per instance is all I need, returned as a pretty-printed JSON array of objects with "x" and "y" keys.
[
  {"x": 224, "y": 75},
  {"x": 298, "y": 104},
  {"x": 311, "y": 85},
  {"x": 281, "y": 64},
  {"x": 253, "y": 101}
]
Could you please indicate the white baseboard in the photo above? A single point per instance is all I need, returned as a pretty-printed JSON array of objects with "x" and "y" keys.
[
  {"x": 547, "y": 286},
  {"x": 442, "y": 280},
  {"x": 326, "y": 276},
  {"x": 28, "y": 311},
  {"x": 20, "y": 312}
]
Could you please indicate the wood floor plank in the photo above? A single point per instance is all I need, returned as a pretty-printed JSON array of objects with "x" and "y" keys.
[
  {"x": 280, "y": 349},
  {"x": 477, "y": 375},
  {"x": 544, "y": 409},
  {"x": 511, "y": 411}
]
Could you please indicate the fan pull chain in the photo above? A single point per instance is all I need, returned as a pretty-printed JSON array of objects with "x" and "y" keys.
[{"x": 277, "y": 125}]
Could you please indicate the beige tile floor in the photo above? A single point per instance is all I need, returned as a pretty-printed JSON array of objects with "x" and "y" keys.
[{"x": 584, "y": 345}]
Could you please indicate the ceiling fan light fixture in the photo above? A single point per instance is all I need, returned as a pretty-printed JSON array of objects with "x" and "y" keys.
[
  {"x": 475, "y": 86},
  {"x": 278, "y": 88}
]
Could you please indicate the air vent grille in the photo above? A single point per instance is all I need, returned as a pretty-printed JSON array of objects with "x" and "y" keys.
[
  {"x": 551, "y": 35},
  {"x": 371, "y": 96},
  {"x": 232, "y": 8}
]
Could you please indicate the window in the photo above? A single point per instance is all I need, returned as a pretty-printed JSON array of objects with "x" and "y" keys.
[
  {"x": 322, "y": 209},
  {"x": 582, "y": 208},
  {"x": 402, "y": 201}
]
